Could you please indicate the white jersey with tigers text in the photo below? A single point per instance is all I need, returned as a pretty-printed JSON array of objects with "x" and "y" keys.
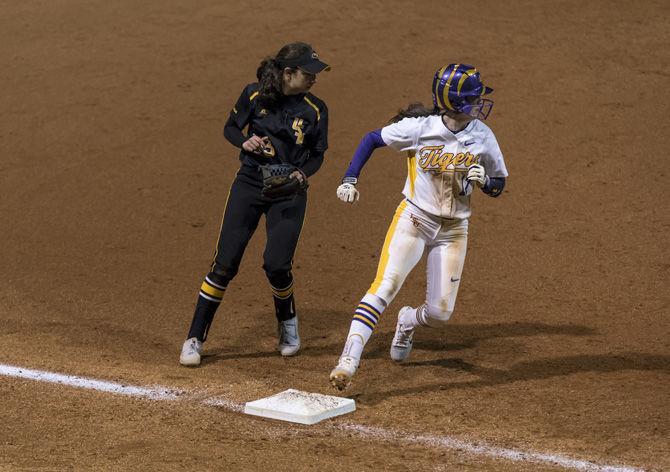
[{"x": 438, "y": 162}]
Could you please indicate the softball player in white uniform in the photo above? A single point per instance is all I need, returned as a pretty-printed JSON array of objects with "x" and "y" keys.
[{"x": 450, "y": 151}]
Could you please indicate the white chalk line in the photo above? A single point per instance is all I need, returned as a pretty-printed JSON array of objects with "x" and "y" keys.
[
  {"x": 160, "y": 393},
  {"x": 153, "y": 393}
]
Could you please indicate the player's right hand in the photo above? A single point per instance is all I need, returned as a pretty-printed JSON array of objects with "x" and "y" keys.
[
  {"x": 477, "y": 174},
  {"x": 347, "y": 193},
  {"x": 254, "y": 144}
]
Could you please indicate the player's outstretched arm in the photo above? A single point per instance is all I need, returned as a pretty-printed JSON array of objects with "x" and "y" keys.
[{"x": 347, "y": 191}]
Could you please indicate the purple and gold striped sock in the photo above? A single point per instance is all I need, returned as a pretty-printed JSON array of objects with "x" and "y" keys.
[{"x": 366, "y": 317}]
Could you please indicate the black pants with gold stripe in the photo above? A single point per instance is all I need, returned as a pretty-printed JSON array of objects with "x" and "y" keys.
[{"x": 283, "y": 223}]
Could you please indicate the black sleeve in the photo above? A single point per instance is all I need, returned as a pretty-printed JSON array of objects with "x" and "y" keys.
[
  {"x": 239, "y": 117},
  {"x": 321, "y": 143},
  {"x": 233, "y": 134},
  {"x": 313, "y": 164}
]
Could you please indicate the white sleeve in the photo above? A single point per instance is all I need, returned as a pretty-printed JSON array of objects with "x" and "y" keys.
[
  {"x": 493, "y": 161},
  {"x": 401, "y": 136}
]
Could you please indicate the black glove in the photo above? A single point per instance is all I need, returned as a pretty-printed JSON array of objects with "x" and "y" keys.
[{"x": 278, "y": 181}]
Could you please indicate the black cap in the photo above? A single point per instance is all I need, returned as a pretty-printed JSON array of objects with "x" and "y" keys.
[{"x": 307, "y": 61}]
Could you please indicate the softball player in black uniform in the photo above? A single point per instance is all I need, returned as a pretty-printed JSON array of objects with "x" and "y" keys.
[{"x": 286, "y": 124}]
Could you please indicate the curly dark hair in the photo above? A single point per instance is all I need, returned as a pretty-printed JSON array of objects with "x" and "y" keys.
[
  {"x": 415, "y": 110},
  {"x": 269, "y": 74}
]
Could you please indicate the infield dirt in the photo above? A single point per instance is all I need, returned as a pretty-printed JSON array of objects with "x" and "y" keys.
[{"x": 114, "y": 173}]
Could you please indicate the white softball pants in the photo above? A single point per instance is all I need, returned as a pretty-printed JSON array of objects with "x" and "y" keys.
[{"x": 412, "y": 232}]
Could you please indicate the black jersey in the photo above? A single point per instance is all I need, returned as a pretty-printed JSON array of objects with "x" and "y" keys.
[{"x": 297, "y": 128}]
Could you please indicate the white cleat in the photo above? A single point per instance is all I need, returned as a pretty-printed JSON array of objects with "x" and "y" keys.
[
  {"x": 191, "y": 352},
  {"x": 401, "y": 345},
  {"x": 341, "y": 375},
  {"x": 289, "y": 339}
]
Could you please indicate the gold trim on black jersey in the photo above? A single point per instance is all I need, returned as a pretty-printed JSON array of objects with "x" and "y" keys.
[{"x": 318, "y": 113}]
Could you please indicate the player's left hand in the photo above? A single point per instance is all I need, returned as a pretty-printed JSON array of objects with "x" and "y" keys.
[
  {"x": 299, "y": 175},
  {"x": 282, "y": 180},
  {"x": 477, "y": 174}
]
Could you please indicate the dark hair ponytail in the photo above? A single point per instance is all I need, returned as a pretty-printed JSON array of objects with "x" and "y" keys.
[
  {"x": 415, "y": 110},
  {"x": 270, "y": 74},
  {"x": 269, "y": 82}
]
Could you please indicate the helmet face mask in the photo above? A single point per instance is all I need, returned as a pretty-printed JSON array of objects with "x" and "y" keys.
[
  {"x": 479, "y": 110},
  {"x": 458, "y": 88}
]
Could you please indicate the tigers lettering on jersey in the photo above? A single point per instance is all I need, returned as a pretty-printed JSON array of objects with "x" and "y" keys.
[{"x": 432, "y": 158}]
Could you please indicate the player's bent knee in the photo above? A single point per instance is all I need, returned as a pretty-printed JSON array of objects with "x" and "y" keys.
[
  {"x": 387, "y": 289},
  {"x": 274, "y": 268},
  {"x": 383, "y": 295},
  {"x": 222, "y": 275},
  {"x": 280, "y": 278},
  {"x": 437, "y": 317}
]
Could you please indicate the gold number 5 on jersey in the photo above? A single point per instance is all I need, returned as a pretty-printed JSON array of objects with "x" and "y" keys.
[{"x": 299, "y": 134}]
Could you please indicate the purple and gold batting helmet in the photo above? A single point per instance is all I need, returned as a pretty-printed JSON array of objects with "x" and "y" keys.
[{"x": 458, "y": 87}]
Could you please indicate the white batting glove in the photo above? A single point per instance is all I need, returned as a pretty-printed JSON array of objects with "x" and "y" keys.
[
  {"x": 347, "y": 190},
  {"x": 477, "y": 174}
]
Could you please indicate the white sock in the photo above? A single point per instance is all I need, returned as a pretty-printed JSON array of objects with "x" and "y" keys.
[
  {"x": 415, "y": 317},
  {"x": 353, "y": 347}
]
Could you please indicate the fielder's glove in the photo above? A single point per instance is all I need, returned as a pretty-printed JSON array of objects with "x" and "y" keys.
[
  {"x": 347, "y": 190},
  {"x": 477, "y": 174},
  {"x": 281, "y": 180}
]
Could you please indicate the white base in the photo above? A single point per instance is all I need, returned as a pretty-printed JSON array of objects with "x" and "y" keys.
[{"x": 300, "y": 407}]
